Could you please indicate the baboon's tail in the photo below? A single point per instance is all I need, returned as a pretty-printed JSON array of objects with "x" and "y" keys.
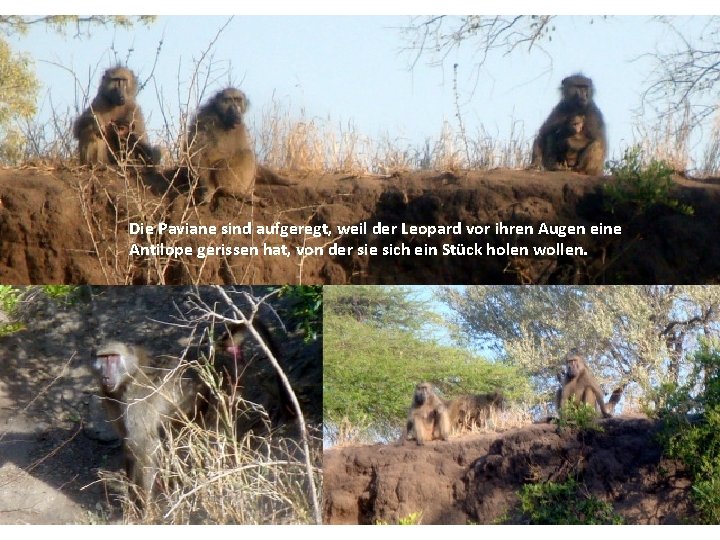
[{"x": 615, "y": 397}]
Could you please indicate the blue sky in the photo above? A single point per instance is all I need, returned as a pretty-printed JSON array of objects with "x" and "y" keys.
[{"x": 354, "y": 71}]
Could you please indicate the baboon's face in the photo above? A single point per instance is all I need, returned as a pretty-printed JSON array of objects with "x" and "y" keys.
[
  {"x": 230, "y": 105},
  {"x": 118, "y": 86},
  {"x": 577, "y": 124},
  {"x": 113, "y": 367},
  {"x": 579, "y": 93},
  {"x": 575, "y": 366},
  {"x": 232, "y": 345},
  {"x": 422, "y": 391}
]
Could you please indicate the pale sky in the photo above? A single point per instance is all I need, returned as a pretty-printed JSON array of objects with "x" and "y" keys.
[{"x": 352, "y": 69}]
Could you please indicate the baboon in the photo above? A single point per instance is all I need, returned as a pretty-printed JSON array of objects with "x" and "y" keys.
[
  {"x": 464, "y": 411},
  {"x": 220, "y": 150},
  {"x": 428, "y": 418},
  {"x": 112, "y": 129},
  {"x": 572, "y": 141},
  {"x": 141, "y": 399},
  {"x": 553, "y": 141},
  {"x": 236, "y": 350},
  {"x": 579, "y": 384}
]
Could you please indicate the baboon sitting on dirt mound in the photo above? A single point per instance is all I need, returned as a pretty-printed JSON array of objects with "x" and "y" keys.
[
  {"x": 220, "y": 150},
  {"x": 559, "y": 143},
  {"x": 428, "y": 417},
  {"x": 579, "y": 384},
  {"x": 112, "y": 129}
]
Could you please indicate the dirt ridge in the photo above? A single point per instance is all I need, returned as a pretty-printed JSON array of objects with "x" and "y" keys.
[
  {"x": 71, "y": 226},
  {"x": 476, "y": 478}
]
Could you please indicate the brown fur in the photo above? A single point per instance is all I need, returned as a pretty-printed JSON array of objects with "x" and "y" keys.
[
  {"x": 473, "y": 410},
  {"x": 428, "y": 417},
  {"x": 112, "y": 129},
  {"x": 573, "y": 141},
  {"x": 234, "y": 353},
  {"x": 579, "y": 384},
  {"x": 553, "y": 143},
  {"x": 220, "y": 150},
  {"x": 140, "y": 400}
]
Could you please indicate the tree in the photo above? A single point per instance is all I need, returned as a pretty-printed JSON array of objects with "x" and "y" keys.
[
  {"x": 18, "y": 88},
  {"x": 370, "y": 369},
  {"x": 638, "y": 334},
  {"x": 686, "y": 73},
  {"x": 18, "y": 84},
  {"x": 436, "y": 36},
  {"x": 398, "y": 307}
]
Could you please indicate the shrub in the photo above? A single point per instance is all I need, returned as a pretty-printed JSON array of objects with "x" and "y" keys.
[{"x": 641, "y": 183}]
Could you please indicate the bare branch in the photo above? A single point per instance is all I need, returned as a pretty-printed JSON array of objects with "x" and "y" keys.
[{"x": 436, "y": 37}]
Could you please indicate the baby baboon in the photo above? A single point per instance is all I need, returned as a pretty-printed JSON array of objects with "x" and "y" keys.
[
  {"x": 469, "y": 410},
  {"x": 112, "y": 129},
  {"x": 428, "y": 418},
  {"x": 580, "y": 385},
  {"x": 554, "y": 140},
  {"x": 220, "y": 150},
  {"x": 572, "y": 141},
  {"x": 140, "y": 400}
]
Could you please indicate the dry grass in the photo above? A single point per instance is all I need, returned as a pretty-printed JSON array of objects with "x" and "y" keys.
[
  {"x": 344, "y": 433},
  {"x": 667, "y": 138},
  {"x": 295, "y": 142},
  {"x": 208, "y": 472},
  {"x": 301, "y": 145},
  {"x": 209, "y": 477},
  {"x": 497, "y": 420}
]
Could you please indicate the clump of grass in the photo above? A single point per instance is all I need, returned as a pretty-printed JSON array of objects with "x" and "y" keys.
[
  {"x": 413, "y": 518},
  {"x": 582, "y": 416},
  {"x": 214, "y": 475},
  {"x": 641, "y": 183},
  {"x": 495, "y": 420},
  {"x": 566, "y": 503}
]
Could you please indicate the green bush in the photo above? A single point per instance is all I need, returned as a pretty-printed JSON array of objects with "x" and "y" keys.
[
  {"x": 551, "y": 503},
  {"x": 307, "y": 306},
  {"x": 641, "y": 183},
  {"x": 695, "y": 438},
  {"x": 582, "y": 416},
  {"x": 9, "y": 298}
]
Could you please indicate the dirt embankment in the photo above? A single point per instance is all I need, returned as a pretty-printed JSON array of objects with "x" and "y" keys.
[
  {"x": 476, "y": 478},
  {"x": 72, "y": 226}
]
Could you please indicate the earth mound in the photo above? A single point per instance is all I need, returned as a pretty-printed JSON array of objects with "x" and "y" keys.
[
  {"x": 73, "y": 226},
  {"x": 476, "y": 478}
]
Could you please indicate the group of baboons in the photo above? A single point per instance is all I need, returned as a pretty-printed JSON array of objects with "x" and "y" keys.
[
  {"x": 142, "y": 400},
  {"x": 220, "y": 153},
  {"x": 217, "y": 147},
  {"x": 431, "y": 417}
]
